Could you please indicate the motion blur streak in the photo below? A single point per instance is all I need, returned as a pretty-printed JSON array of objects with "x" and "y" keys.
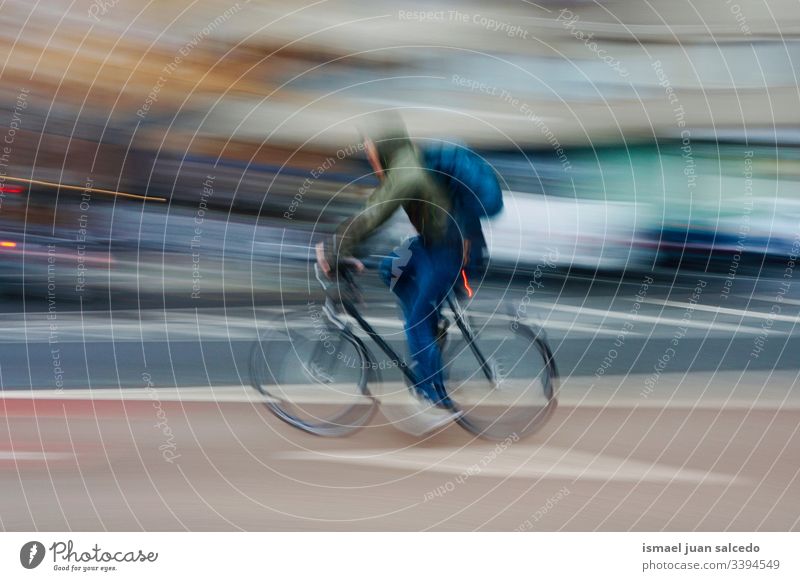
[{"x": 649, "y": 155}]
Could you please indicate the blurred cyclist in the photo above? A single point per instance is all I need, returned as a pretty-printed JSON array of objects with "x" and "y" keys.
[{"x": 438, "y": 190}]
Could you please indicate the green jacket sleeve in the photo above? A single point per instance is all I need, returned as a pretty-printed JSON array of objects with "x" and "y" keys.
[{"x": 402, "y": 184}]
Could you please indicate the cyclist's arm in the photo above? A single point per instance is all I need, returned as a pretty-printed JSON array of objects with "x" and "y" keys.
[{"x": 401, "y": 184}]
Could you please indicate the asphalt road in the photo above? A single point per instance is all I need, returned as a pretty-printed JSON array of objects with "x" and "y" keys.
[
  {"x": 595, "y": 325},
  {"x": 158, "y": 464},
  {"x": 692, "y": 424}
]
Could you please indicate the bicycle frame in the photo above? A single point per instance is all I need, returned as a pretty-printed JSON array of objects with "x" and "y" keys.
[
  {"x": 337, "y": 306},
  {"x": 466, "y": 330},
  {"x": 352, "y": 310}
]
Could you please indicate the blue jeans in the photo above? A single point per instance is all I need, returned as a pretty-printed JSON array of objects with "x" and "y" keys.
[{"x": 421, "y": 277}]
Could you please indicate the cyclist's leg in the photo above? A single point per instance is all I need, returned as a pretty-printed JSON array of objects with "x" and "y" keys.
[
  {"x": 420, "y": 278},
  {"x": 397, "y": 272},
  {"x": 435, "y": 272}
]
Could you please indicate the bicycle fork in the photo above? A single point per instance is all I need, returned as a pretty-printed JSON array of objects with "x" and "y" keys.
[{"x": 488, "y": 370}]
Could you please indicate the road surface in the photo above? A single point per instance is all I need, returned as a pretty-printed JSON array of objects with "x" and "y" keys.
[{"x": 154, "y": 428}]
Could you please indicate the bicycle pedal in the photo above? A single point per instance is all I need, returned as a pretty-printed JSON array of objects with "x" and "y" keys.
[
  {"x": 320, "y": 374},
  {"x": 498, "y": 373}
]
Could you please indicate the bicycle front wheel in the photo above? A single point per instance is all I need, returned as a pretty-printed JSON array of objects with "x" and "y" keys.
[
  {"x": 501, "y": 376},
  {"x": 315, "y": 379}
]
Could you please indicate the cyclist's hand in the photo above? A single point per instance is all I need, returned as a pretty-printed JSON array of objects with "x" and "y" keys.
[
  {"x": 325, "y": 265},
  {"x": 352, "y": 262}
]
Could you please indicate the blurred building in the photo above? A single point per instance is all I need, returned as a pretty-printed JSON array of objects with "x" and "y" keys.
[{"x": 622, "y": 130}]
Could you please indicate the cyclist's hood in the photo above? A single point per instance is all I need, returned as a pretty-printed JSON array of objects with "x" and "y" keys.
[
  {"x": 388, "y": 132},
  {"x": 389, "y": 144}
]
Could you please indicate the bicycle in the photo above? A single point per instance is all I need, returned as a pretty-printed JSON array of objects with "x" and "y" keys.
[{"x": 339, "y": 362}]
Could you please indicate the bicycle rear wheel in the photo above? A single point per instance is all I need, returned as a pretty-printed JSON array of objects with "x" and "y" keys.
[
  {"x": 501, "y": 376},
  {"x": 315, "y": 379}
]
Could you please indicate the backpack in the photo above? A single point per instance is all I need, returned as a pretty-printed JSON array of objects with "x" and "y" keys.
[{"x": 470, "y": 181}]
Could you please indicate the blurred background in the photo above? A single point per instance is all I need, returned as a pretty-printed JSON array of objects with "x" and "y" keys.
[
  {"x": 166, "y": 167},
  {"x": 626, "y": 145}
]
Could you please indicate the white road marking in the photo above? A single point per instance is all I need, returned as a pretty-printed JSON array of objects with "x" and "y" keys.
[
  {"x": 580, "y": 393},
  {"x": 771, "y": 299},
  {"x": 246, "y": 323},
  {"x": 516, "y": 462},
  {"x": 693, "y": 324},
  {"x": 34, "y": 456},
  {"x": 725, "y": 311},
  {"x": 183, "y": 326},
  {"x": 551, "y": 324}
]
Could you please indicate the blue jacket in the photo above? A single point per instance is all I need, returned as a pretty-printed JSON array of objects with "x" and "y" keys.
[{"x": 473, "y": 190}]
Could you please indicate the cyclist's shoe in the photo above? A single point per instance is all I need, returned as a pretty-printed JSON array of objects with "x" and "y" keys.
[
  {"x": 444, "y": 399},
  {"x": 427, "y": 392},
  {"x": 435, "y": 395}
]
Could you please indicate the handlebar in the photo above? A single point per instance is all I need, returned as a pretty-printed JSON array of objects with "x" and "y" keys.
[{"x": 344, "y": 274}]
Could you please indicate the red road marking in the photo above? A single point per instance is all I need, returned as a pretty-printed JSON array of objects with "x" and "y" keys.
[{"x": 90, "y": 408}]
